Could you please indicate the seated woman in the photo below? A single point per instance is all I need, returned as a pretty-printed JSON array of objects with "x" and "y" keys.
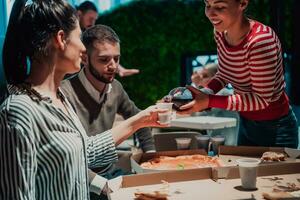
[{"x": 45, "y": 152}]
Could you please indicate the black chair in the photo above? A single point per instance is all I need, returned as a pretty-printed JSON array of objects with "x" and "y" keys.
[
  {"x": 165, "y": 141},
  {"x": 3, "y": 93}
]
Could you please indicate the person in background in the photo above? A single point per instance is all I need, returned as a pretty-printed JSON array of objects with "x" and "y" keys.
[
  {"x": 250, "y": 59},
  {"x": 200, "y": 79},
  {"x": 88, "y": 14},
  {"x": 95, "y": 93},
  {"x": 45, "y": 152}
]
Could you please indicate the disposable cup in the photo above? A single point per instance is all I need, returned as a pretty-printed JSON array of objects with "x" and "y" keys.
[
  {"x": 216, "y": 141},
  {"x": 165, "y": 118},
  {"x": 183, "y": 143},
  {"x": 203, "y": 141},
  {"x": 248, "y": 172}
]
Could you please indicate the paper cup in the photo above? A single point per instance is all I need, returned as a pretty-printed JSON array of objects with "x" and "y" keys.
[
  {"x": 183, "y": 143},
  {"x": 216, "y": 141},
  {"x": 203, "y": 141},
  {"x": 248, "y": 172},
  {"x": 165, "y": 118}
]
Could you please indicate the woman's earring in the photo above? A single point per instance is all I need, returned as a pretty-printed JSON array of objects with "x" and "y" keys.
[{"x": 28, "y": 65}]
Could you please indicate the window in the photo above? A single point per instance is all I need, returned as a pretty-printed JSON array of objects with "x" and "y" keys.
[
  {"x": 194, "y": 62},
  {"x": 102, "y": 5}
]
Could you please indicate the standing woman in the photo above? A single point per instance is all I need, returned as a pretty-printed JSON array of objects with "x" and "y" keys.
[
  {"x": 250, "y": 59},
  {"x": 44, "y": 150}
]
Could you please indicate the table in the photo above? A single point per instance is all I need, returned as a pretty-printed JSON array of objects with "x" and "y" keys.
[
  {"x": 209, "y": 189},
  {"x": 204, "y": 122}
]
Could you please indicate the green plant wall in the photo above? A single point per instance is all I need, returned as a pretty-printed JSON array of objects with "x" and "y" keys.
[{"x": 154, "y": 36}]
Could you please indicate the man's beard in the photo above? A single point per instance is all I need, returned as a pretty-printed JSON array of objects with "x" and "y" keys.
[{"x": 96, "y": 74}]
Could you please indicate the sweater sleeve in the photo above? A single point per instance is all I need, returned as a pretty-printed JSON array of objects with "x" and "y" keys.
[
  {"x": 127, "y": 109},
  {"x": 265, "y": 64}
]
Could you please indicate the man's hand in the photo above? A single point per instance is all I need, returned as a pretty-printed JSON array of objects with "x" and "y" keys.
[
  {"x": 199, "y": 103},
  {"x": 127, "y": 72}
]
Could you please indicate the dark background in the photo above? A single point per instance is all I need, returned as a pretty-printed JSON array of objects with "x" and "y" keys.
[{"x": 156, "y": 34}]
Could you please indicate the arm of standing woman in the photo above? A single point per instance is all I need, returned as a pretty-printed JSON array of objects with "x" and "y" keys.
[{"x": 199, "y": 103}]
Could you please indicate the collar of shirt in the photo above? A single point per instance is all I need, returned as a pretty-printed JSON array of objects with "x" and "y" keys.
[{"x": 95, "y": 94}]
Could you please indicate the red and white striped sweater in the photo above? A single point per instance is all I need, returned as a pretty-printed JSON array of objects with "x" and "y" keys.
[{"x": 255, "y": 70}]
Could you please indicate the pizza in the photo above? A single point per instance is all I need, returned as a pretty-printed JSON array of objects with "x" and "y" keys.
[
  {"x": 153, "y": 195},
  {"x": 276, "y": 195},
  {"x": 287, "y": 191},
  {"x": 160, "y": 194},
  {"x": 273, "y": 156},
  {"x": 181, "y": 162}
]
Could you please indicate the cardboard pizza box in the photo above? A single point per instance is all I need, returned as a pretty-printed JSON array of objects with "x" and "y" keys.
[
  {"x": 195, "y": 183},
  {"x": 229, "y": 155},
  {"x": 278, "y": 168},
  {"x": 139, "y": 158},
  {"x": 125, "y": 186}
]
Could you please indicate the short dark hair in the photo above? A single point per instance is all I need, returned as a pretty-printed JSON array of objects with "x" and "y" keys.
[
  {"x": 86, "y": 6},
  {"x": 99, "y": 33},
  {"x": 31, "y": 26}
]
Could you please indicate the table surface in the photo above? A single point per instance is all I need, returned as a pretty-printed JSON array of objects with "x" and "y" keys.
[
  {"x": 209, "y": 189},
  {"x": 204, "y": 122}
]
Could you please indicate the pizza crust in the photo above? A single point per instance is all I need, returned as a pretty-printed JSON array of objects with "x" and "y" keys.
[
  {"x": 181, "y": 162},
  {"x": 155, "y": 195},
  {"x": 270, "y": 156}
]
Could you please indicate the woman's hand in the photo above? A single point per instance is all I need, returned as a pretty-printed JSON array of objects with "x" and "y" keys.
[
  {"x": 199, "y": 103},
  {"x": 145, "y": 118},
  {"x": 149, "y": 117}
]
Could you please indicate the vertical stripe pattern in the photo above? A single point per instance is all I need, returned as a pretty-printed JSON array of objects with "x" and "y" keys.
[{"x": 44, "y": 153}]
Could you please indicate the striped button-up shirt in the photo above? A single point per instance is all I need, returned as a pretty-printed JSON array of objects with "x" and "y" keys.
[{"x": 45, "y": 153}]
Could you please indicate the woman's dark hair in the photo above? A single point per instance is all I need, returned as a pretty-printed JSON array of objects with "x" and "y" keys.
[
  {"x": 86, "y": 6},
  {"x": 31, "y": 26}
]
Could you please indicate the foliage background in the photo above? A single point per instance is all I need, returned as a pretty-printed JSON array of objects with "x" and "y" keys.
[{"x": 155, "y": 34}]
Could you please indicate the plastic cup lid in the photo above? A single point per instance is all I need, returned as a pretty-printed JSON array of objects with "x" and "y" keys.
[
  {"x": 248, "y": 162},
  {"x": 183, "y": 140},
  {"x": 203, "y": 137},
  {"x": 164, "y": 105},
  {"x": 218, "y": 138}
]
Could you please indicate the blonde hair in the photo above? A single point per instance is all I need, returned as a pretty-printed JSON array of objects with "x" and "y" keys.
[{"x": 212, "y": 68}]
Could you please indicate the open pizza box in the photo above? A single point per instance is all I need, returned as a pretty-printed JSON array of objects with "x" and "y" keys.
[
  {"x": 194, "y": 183},
  {"x": 138, "y": 158},
  {"x": 124, "y": 187},
  {"x": 229, "y": 155}
]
